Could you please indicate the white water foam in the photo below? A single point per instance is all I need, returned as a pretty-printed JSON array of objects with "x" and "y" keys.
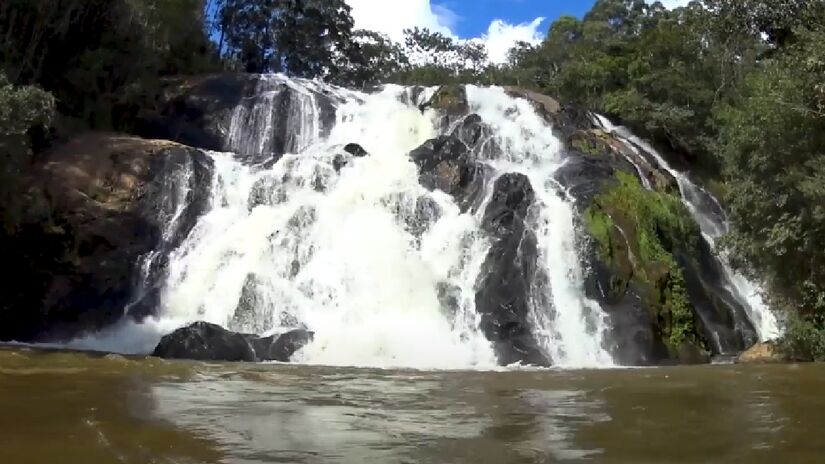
[
  {"x": 345, "y": 254},
  {"x": 573, "y": 329}
]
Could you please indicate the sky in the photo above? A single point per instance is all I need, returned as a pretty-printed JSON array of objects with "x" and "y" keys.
[{"x": 498, "y": 23}]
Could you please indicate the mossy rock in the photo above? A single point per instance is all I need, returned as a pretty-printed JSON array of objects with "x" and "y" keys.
[
  {"x": 450, "y": 98},
  {"x": 593, "y": 142},
  {"x": 637, "y": 232}
]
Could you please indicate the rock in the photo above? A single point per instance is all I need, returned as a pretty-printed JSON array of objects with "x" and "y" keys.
[
  {"x": 76, "y": 270},
  {"x": 544, "y": 105},
  {"x": 450, "y": 102},
  {"x": 584, "y": 177},
  {"x": 659, "y": 284},
  {"x": 446, "y": 164},
  {"x": 202, "y": 341},
  {"x": 761, "y": 353},
  {"x": 355, "y": 150},
  {"x": 451, "y": 99},
  {"x": 691, "y": 354},
  {"x": 287, "y": 344},
  {"x": 258, "y": 117},
  {"x": 504, "y": 289}
]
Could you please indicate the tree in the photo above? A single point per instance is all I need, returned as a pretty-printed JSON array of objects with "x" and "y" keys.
[
  {"x": 371, "y": 59},
  {"x": 23, "y": 107},
  {"x": 102, "y": 59},
  {"x": 305, "y": 38},
  {"x": 772, "y": 143}
]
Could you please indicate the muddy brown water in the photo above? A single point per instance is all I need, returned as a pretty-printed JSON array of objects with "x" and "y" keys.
[{"x": 61, "y": 407}]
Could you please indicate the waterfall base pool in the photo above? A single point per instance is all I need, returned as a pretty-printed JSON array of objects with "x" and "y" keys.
[{"x": 77, "y": 408}]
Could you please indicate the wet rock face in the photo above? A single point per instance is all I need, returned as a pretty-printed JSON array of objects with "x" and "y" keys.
[
  {"x": 197, "y": 111},
  {"x": 257, "y": 117},
  {"x": 648, "y": 267},
  {"x": 447, "y": 164},
  {"x": 202, "y": 341},
  {"x": 503, "y": 298},
  {"x": 109, "y": 208},
  {"x": 287, "y": 344},
  {"x": 351, "y": 150}
]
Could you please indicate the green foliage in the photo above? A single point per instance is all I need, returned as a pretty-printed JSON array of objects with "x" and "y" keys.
[
  {"x": 23, "y": 107},
  {"x": 772, "y": 144},
  {"x": 373, "y": 60},
  {"x": 435, "y": 59},
  {"x": 803, "y": 340},
  {"x": 101, "y": 59},
  {"x": 637, "y": 232},
  {"x": 305, "y": 38}
]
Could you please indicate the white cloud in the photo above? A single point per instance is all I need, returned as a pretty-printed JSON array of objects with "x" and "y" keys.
[
  {"x": 671, "y": 4},
  {"x": 391, "y": 17},
  {"x": 501, "y": 37}
]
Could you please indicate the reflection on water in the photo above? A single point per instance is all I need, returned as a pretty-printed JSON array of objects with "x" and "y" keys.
[{"x": 65, "y": 407}]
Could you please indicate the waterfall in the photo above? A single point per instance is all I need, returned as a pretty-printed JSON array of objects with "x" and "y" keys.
[
  {"x": 571, "y": 326},
  {"x": 300, "y": 232},
  {"x": 710, "y": 216}
]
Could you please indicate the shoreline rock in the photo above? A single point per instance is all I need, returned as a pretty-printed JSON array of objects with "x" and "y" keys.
[
  {"x": 761, "y": 353},
  {"x": 202, "y": 341}
]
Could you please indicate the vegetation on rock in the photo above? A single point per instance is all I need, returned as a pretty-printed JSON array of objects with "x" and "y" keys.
[{"x": 637, "y": 232}]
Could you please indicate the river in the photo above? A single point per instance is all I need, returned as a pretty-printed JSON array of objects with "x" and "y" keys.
[{"x": 84, "y": 408}]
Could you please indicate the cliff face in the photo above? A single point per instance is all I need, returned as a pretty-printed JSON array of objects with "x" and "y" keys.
[
  {"x": 116, "y": 206},
  {"x": 647, "y": 262},
  {"x": 103, "y": 202}
]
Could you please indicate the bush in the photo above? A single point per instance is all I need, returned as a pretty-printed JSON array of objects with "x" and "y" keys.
[
  {"x": 23, "y": 107},
  {"x": 803, "y": 340}
]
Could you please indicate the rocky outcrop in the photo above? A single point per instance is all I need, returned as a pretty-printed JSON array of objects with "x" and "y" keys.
[
  {"x": 202, "y": 341},
  {"x": 761, "y": 353},
  {"x": 504, "y": 297},
  {"x": 108, "y": 202},
  {"x": 258, "y": 117},
  {"x": 447, "y": 164},
  {"x": 286, "y": 345},
  {"x": 649, "y": 266}
]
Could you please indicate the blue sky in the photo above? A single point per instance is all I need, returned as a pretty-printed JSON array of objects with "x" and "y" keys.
[
  {"x": 474, "y": 16},
  {"x": 497, "y": 23}
]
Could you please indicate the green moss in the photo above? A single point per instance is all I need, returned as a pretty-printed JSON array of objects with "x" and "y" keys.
[{"x": 637, "y": 232}]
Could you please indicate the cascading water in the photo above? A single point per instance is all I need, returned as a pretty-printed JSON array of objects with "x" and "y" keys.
[
  {"x": 709, "y": 214},
  {"x": 355, "y": 249},
  {"x": 573, "y": 327},
  {"x": 298, "y": 243}
]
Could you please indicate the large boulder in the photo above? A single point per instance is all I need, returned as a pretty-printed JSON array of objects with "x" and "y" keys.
[
  {"x": 447, "y": 164},
  {"x": 503, "y": 296},
  {"x": 258, "y": 117},
  {"x": 202, "y": 341},
  {"x": 109, "y": 203},
  {"x": 761, "y": 353}
]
